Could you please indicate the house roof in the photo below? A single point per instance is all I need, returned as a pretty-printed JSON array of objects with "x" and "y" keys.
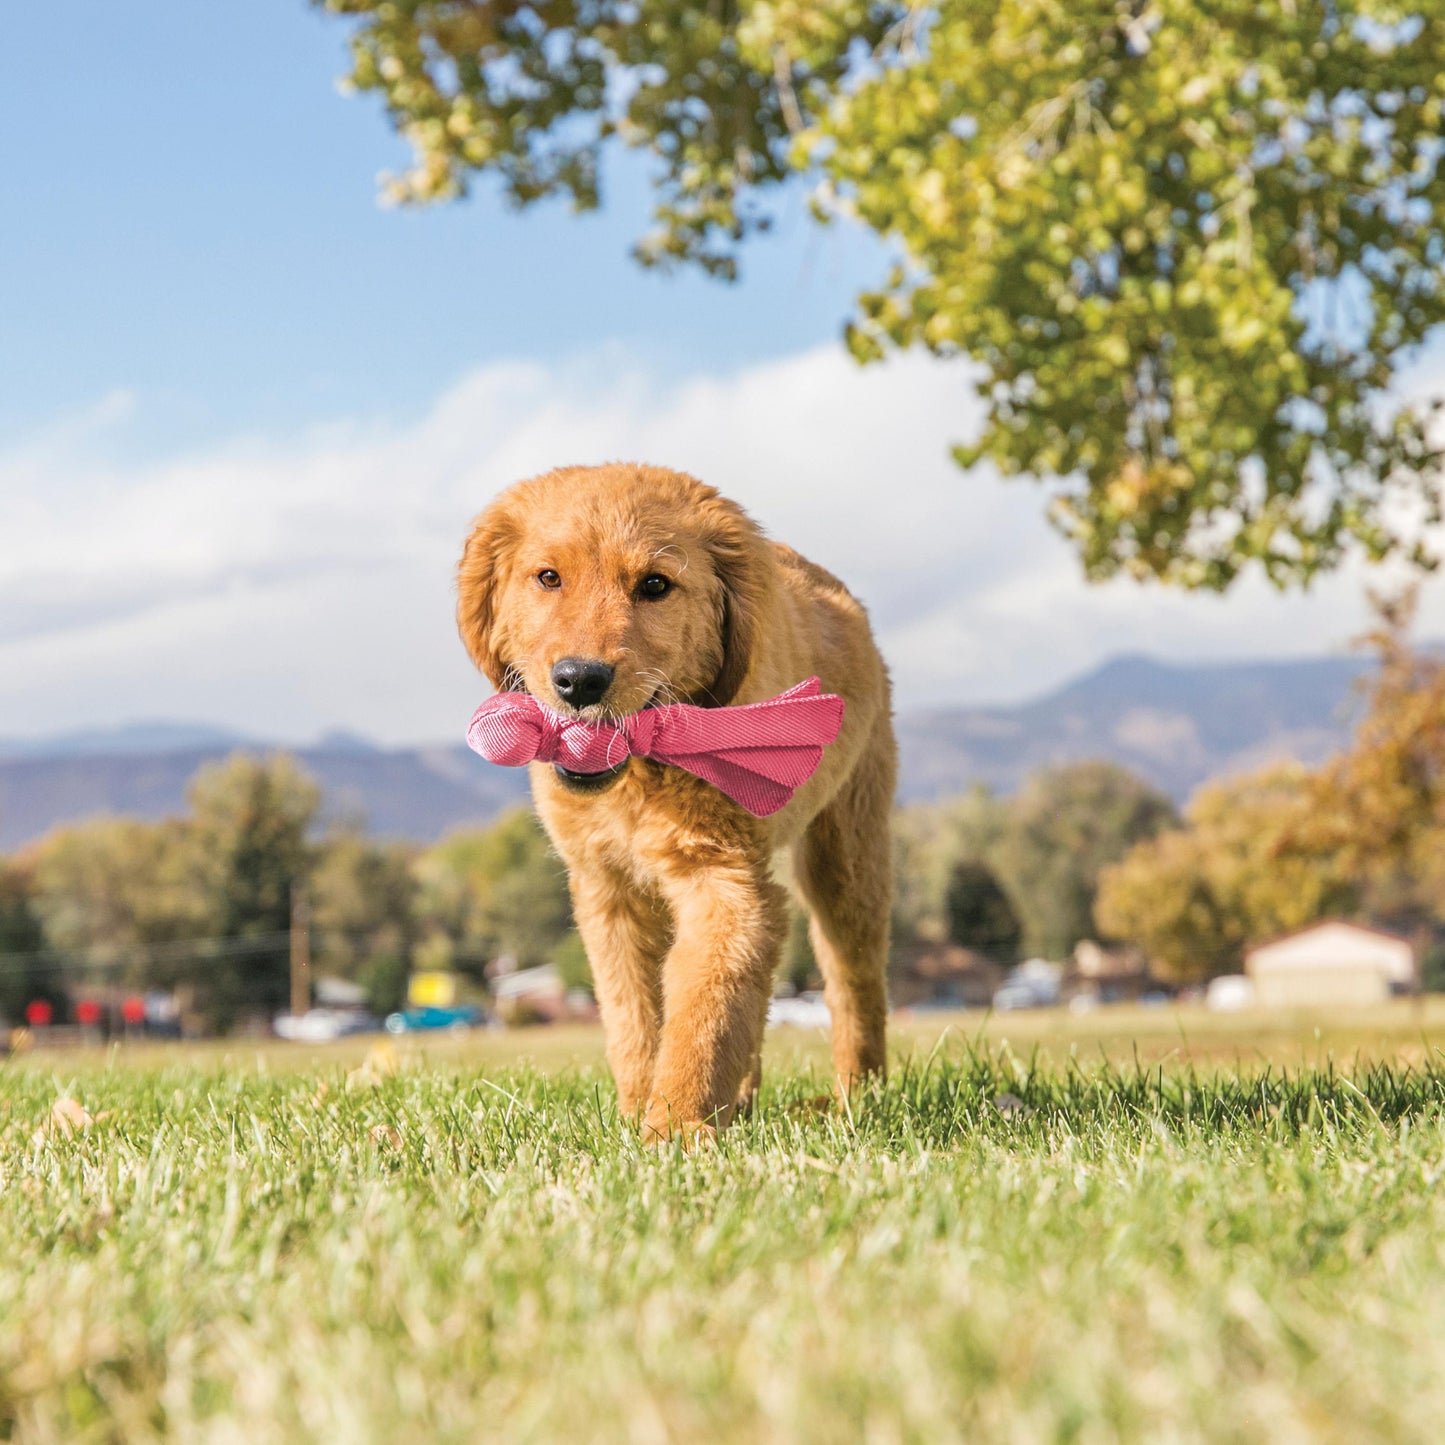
[
  {"x": 1335, "y": 945},
  {"x": 525, "y": 981},
  {"x": 1366, "y": 928},
  {"x": 1092, "y": 961},
  {"x": 936, "y": 960}
]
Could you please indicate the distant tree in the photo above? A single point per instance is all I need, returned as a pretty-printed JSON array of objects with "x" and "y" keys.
[
  {"x": 928, "y": 840},
  {"x": 570, "y": 961},
  {"x": 1432, "y": 968},
  {"x": 799, "y": 967},
  {"x": 914, "y": 907},
  {"x": 979, "y": 913},
  {"x": 1187, "y": 246},
  {"x": 1379, "y": 806},
  {"x": 1159, "y": 897},
  {"x": 23, "y": 976},
  {"x": 1043, "y": 846},
  {"x": 250, "y": 819},
  {"x": 1064, "y": 826},
  {"x": 110, "y": 888},
  {"x": 1194, "y": 898},
  {"x": 363, "y": 897},
  {"x": 1381, "y": 802},
  {"x": 497, "y": 891},
  {"x": 1362, "y": 835}
]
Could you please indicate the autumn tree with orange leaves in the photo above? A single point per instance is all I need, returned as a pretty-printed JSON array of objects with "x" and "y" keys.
[
  {"x": 1362, "y": 836},
  {"x": 1379, "y": 807}
]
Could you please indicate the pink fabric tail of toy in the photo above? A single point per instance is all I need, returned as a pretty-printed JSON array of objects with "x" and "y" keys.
[{"x": 759, "y": 754}]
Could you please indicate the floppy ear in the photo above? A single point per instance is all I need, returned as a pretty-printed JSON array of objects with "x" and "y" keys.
[
  {"x": 746, "y": 568},
  {"x": 479, "y": 578}
]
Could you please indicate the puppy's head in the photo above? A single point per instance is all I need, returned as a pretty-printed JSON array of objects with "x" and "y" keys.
[{"x": 604, "y": 590}]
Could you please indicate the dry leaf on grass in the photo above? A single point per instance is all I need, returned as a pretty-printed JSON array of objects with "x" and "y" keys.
[
  {"x": 67, "y": 1117},
  {"x": 380, "y": 1064},
  {"x": 1011, "y": 1106},
  {"x": 384, "y": 1134}
]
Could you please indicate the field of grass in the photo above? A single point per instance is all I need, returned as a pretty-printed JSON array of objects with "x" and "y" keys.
[{"x": 1132, "y": 1226}]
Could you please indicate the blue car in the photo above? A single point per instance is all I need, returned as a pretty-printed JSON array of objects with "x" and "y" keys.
[{"x": 425, "y": 1020}]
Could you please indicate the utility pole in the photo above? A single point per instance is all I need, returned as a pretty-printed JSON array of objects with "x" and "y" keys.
[{"x": 300, "y": 951}]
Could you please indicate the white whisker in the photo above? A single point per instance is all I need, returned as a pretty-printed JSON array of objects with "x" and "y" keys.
[{"x": 662, "y": 685}]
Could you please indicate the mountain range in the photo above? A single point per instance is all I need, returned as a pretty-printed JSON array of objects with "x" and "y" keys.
[{"x": 1178, "y": 725}]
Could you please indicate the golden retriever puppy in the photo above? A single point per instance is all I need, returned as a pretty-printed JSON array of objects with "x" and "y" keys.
[{"x": 603, "y": 590}]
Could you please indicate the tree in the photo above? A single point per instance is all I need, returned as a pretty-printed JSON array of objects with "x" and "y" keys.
[
  {"x": 1362, "y": 835},
  {"x": 111, "y": 889},
  {"x": 23, "y": 976},
  {"x": 1158, "y": 896},
  {"x": 497, "y": 891},
  {"x": 799, "y": 966},
  {"x": 1194, "y": 898},
  {"x": 928, "y": 840},
  {"x": 1388, "y": 787},
  {"x": 250, "y": 817},
  {"x": 1188, "y": 244},
  {"x": 363, "y": 898},
  {"x": 1379, "y": 806},
  {"x": 914, "y": 906},
  {"x": 979, "y": 913},
  {"x": 1066, "y": 824},
  {"x": 570, "y": 960},
  {"x": 1044, "y": 848}
]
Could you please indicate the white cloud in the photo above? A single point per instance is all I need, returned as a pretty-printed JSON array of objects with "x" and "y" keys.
[{"x": 291, "y": 585}]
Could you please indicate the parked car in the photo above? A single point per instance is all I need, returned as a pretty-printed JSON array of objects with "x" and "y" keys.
[
  {"x": 425, "y": 1020},
  {"x": 1035, "y": 984},
  {"x": 1229, "y": 992},
  {"x": 322, "y": 1025},
  {"x": 804, "y": 1011}
]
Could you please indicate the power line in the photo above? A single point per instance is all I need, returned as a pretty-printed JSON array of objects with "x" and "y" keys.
[
  {"x": 185, "y": 950},
  {"x": 174, "y": 951}
]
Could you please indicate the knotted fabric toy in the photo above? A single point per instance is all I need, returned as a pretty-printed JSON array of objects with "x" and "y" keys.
[{"x": 758, "y": 754}]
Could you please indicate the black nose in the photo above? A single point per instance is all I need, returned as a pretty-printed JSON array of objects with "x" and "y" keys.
[{"x": 581, "y": 681}]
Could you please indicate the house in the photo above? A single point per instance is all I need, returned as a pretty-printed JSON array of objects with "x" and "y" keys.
[
  {"x": 1035, "y": 983},
  {"x": 1109, "y": 975},
  {"x": 933, "y": 973},
  {"x": 1332, "y": 964},
  {"x": 538, "y": 995}
]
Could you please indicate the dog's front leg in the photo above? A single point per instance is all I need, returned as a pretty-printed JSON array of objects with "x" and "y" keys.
[
  {"x": 730, "y": 922},
  {"x": 626, "y": 933}
]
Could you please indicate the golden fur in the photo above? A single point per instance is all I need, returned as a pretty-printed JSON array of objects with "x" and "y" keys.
[{"x": 672, "y": 883}]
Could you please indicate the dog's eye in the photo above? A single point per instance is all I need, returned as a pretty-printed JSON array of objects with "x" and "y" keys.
[
  {"x": 549, "y": 579},
  {"x": 655, "y": 586}
]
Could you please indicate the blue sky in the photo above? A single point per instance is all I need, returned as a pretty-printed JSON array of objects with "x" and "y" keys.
[
  {"x": 247, "y": 412},
  {"x": 192, "y": 215}
]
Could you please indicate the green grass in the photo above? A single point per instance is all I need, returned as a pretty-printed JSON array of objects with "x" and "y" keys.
[{"x": 473, "y": 1249}]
